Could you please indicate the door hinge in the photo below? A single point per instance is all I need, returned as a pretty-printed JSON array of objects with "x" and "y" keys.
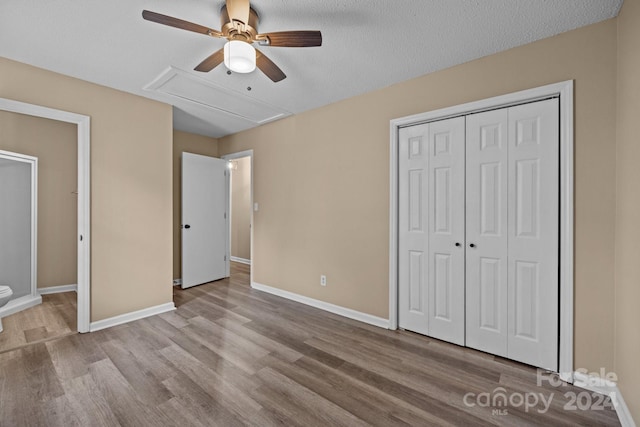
[
  {"x": 225, "y": 257},
  {"x": 225, "y": 215}
]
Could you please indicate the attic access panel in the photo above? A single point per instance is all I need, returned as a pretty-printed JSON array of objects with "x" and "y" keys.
[{"x": 184, "y": 86}]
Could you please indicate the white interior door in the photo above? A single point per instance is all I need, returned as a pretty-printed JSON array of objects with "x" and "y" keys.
[
  {"x": 446, "y": 230},
  {"x": 486, "y": 260},
  {"x": 205, "y": 223},
  {"x": 533, "y": 236},
  {"x": 413, "y": 152}
]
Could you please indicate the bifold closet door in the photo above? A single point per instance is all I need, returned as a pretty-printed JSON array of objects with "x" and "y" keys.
[
  {"x": 431, "y": 229},
  {"x": 486, "y": 257},
  {"x": 479, "y": 231},
  {"x": 413, "y": 243},
  {"x": 446, "y": 230},
  {"x": 533, "y": 237},
  {"x": 512, "y": 263}
]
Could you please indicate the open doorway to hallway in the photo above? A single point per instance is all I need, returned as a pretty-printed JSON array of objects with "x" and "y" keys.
[
  {"x": 240, "y": 206},
  {"x": 240, "y": 210}
]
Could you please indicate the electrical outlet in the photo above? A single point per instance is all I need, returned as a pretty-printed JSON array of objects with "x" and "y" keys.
[{"x": 323, "y": 280}]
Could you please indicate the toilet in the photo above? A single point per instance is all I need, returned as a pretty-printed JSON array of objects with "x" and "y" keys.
[{"x": 5, "y": 295}]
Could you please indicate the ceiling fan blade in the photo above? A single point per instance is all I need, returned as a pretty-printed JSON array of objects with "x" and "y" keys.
[
  {"x": 292, "y": 38},
  {"x": 211, "y": 62},
  {"x": 238, "y": 10},
  {"x": 268, "y": 67},
  {"x": 179, "y": 23}
]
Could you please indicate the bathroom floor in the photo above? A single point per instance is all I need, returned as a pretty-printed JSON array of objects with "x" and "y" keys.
[{"x": 54, "y": 318}]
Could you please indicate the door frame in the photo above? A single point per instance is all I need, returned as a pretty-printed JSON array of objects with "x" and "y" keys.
[
  {"x": 562, "y": 90},
  {"x": 83, "y": 124},
  {"x": 232, "y": 156}
]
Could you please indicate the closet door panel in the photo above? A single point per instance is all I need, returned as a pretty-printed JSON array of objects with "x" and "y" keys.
[
  {"x": 534, "y": 233},
  {"x": 413, "y": 154},
  {"x": 446, "y": 228},
  {"x": 486, "y": 225}
]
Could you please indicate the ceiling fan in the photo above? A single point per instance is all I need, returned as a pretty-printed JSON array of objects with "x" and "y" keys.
[{"x": 240, "y": 28}]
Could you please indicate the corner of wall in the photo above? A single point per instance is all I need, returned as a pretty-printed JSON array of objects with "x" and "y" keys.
[{"x": 627, "y": 233}]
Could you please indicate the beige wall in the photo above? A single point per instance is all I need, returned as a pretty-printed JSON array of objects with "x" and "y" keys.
[
  {"x": 55, "y": 145},
  {"x": 130, "y": 184},
  {"x": 191, "y": 143},
  {"x": 241, "y": 209},
  {"x": 322, "y": 180},
  {"x": 627, "y": 337}
]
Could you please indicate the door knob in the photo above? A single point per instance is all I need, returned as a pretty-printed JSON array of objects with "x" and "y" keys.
[
  {"x": 187, "y": 226},
  {"x": 457, "y": 244},
  {"x": 472, "y": 245}
]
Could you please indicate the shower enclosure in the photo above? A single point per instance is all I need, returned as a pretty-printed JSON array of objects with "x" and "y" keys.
[{"x": 18, "y": 230}]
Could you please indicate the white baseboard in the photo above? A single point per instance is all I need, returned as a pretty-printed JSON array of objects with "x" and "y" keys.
[
  {"x": 19, "y": 304},
  {"x": 130, "y": 317},
  {"x": 58, "y": 289},
  {"x": 332, "y": 308},
  {"x": 240, "y": 260},
  {"x": 624, "y": 415},
  {"x": 608, "y": 388},
  {"x": 566, "y": 377}
]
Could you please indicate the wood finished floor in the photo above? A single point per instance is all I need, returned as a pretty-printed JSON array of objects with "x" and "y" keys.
[
  {"x": 233, "y": 356},
  {"x": 55, "y": 317}
]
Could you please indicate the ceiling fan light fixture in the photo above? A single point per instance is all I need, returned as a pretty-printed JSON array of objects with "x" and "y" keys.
[{"x": 239, "y": 56}]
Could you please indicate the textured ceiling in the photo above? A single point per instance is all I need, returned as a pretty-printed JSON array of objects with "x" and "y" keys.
[{"x": 366, "y": 44}]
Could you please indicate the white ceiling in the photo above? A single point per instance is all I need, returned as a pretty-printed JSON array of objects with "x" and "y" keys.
[{"x": 366, "y": 45}]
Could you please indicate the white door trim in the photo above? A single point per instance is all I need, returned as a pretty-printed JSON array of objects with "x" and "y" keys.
[
  {"x": 564, "y": 90},
  {"x": 84, "y": 189},
  {"x": 239, "y": 155}
]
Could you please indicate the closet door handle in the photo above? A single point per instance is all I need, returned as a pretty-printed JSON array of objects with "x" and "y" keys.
[
  {"x": 472, "y": 245},
  {"x": 458, "y": 244}
]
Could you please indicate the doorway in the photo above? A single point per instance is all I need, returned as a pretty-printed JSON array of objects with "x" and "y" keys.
[
  {"x": 564, "y": 93},
  {"x": 241, "y": 208},
  {"x": 18, "y": 230},
  {"x": 81, "y": 194}
]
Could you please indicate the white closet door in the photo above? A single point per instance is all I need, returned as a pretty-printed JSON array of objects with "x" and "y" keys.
[
  {"x": 413, "y": 154},
  {"x": 446, "y": 229},
  {"x": 533, "y": 233},
  {"x": 486, "y": 260}
]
